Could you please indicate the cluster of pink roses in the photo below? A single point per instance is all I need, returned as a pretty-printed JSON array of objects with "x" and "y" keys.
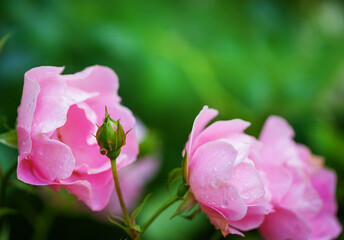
[
  {"x": 241, "y": 183},
  {"x": 273, "y": 183}
]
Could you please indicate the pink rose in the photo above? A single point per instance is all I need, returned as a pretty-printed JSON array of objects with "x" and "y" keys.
[
  {"x": 221, "y": 176},
  {"x": 302, "y": 190},
  {"x": 56, "y": 121}
]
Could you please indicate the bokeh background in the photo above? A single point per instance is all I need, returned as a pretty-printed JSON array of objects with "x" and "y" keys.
[{"x": 248, "y": 59}]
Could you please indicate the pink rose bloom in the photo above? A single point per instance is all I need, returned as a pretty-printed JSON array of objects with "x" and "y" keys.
[
  {"x": 57, "y": 118},
  {"x": 221, "y": 176},
  {"x": 302, "y": 190}
]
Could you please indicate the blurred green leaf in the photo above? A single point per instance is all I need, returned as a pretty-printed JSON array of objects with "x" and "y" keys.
[
  {"x": 120, "y": 219},
  {"x": 193, "y": 214},
  {"x": 119, "y": 225},
  {"x": 4, "y": 39},
  {"x": 185, "y": 167},
  {"x": 7, "y": 211},
  {"x": 5, "y": 232},
  {"x": 9, "y": 138},
  {"x": 137, "y": 211},
  {"x": 173, "y": 176},
  {"x": 188, "y": 203}
]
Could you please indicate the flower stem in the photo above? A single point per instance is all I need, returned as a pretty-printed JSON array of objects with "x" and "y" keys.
[
  {"x": 168, "y": 203},
  {"x": 120, "y": 198}
]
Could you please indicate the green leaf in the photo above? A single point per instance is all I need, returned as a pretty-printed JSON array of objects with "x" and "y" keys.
[
  {"x": 174, "y": 175},
  {"x": 4, "y": 39},
  {"x": 182, "y": 190},
  {"x": 9, "y": 138},
  {"x": 117, "y": 218},
  {"x": 5, "y": 232},
  {"x": 188, "y": 203},
  {"x": 137, "y": 228},
  {"x": 185, "y": 167},
  {"x": 7, "y": 211},
  {"x": 193, "y": 215},
  {"x": 124, "y": 228},
  {"x": 139, "y": 208}
]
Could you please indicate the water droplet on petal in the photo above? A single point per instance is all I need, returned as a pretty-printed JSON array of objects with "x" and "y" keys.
[
  {"x": 215, "y": 183},
  {"x": 103, "y": 151},
  {"x": 224, "y": 203}
]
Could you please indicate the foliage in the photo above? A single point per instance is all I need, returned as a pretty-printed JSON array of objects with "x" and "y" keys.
[{"x": 249, "y": 59}]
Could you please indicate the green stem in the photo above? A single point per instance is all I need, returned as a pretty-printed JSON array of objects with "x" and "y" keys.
[
  {"x": 158, "y": 212},
  {"x": 120, "y": 198}
]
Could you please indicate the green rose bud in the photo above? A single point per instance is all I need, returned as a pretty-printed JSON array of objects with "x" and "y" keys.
[{"x": 110, "y": 137}]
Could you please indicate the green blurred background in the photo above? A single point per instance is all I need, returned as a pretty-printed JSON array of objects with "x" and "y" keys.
[{"x": 248, "y": 59}]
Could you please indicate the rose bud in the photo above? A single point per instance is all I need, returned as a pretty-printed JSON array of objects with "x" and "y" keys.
[{"x": 110, "y": 137}]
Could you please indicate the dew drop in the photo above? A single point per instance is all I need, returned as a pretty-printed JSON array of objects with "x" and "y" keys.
[
  {"x": 216, "y": 169},
  {"x": 103, "y": 151},
  {"x": 224, "y": 203},
  {"x": 215, "y": 183},
  {"x": 245, "y": 195},
  {"x": 40, "y": 152}
]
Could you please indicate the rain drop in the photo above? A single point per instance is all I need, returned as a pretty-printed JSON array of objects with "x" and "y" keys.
[
  {"x": 203, "y": 181},
  {"x": 103, "y": 151},
  {"x": 215, "y": 183},
  {"x": 224, "y": 203}
]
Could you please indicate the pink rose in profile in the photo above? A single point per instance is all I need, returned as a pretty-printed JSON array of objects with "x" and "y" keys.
[
  {"x": 57, "y": 118},
  {"x": 302, "y": 190},
  {"x": 221, "y": 175}
]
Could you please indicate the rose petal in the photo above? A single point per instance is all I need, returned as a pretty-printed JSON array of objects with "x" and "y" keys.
[
  {"x": 106, "y": 83},
  {"x": 218, "y": 220},
  {"x": 220, "y": 130},
  {"x": 279, "y": 181},
  {"x": 209, "y": 175},
  {"x": 284, "y": 224},
  {"x": 25, "y": 114},
  {"x": 253, "y": 219},
  {"x": 278, "y": 145},
  {"x": 202, "y": 119},
  {"x": 94, "y": 190},
  {"x": 75, "y": 133},
  {"x": 325, "y": 226},
  {"x": 50, "y": 159},
  {"x": 301, "y": 197},
  {"x": 247, "y": 181},
  {"x": 26, "y": 172},
  {"x": 324, "y": 182}
]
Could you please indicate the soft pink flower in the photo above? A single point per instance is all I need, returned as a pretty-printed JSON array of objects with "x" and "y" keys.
[
  {"x": 56, "y": 120},
  {"x": 221, "y": 176},
  {"x": 302, "y": 190}
]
